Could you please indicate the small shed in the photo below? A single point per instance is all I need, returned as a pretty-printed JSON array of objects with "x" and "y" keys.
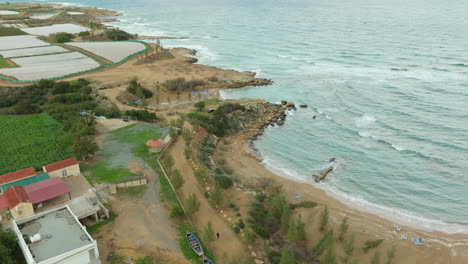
[
  {"x": 64, "y": 168},
  {"x": 155, "y": 145}
]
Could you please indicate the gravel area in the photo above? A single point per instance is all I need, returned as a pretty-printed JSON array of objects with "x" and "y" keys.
[
  {"x": 20, "y": 42},
  {"x": 113, "y": 51},
  {"x": 32, "y": 51},
  {"x": 58, "y": 28}
]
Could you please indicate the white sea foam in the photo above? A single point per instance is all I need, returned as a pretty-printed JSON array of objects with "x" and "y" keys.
[{"x": 364, "y": 121}]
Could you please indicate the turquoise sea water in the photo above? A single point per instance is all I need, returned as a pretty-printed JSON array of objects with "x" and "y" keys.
[{"x": 387, "y": 80}]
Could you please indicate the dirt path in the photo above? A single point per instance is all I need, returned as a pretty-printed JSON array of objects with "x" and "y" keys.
[
  {"x": 142, "y": 226},
  {"x": 228, "y": 242}
]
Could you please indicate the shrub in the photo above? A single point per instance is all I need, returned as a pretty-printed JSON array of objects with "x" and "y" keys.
[
  {"x": 199, "y": 106},
  {"x": 224, "y": 181},
  {"x": 236, "y": 229},
  {"x": 305, "y": 204},
  {"x": 62, "y": 37},
  {"x": 324, "y": 218},
  {"x": 192, "y": 205},
  {"x": 26, "y": 108},
  {"x": 343, "y": 228},
  {"x": 326, "y": 242},
  {"x": 117, "y": 34},
  {"x": 376, "y": 258},
  {"x": 180, "y": 84},
  {"x": 137, "y": 89},
  {"x": 142, "y": 115},
  {"x": 176, "y": 211},
  {"x": 370, "y": 244}
]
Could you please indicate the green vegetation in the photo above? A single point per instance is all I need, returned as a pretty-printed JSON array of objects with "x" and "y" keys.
[
  {"x": 137, "y": 135},
  {"x": 330, "y": 257},
  {"x": 192, "y": 205},
  {"x": 101, "y": 172},
  {"x": 305, "y": 204},
  {"x": 370, "y": 244},
  {"x": 343, "y": 228},
  {"x": 10, "y": 251},
  {"x": 208, "y": 233},
  {"x": 95, "y": 227},
  {"x": 116, "y": 259},
  {"x": 324, "y": 218},
  {"x": 375, "y": 258},
  {"x": 349, "y": 246},
  {"x": 180, "y": 84},
  {"x": 31, "y": 141},
  {"x": 62, "y": 37},
  {"x": 221, "y": 122},
  {"x": 326, "y": 242},
  {"x": 9, "y": 31},
  {"x": 142, "y": 115},
  {"x": 117, "y": 34},
  {"x": 287, "y": 257},
  {"x": 199, "y": 106},
  {"x": 177, "y": 179},
  {"x": 391, "y": 254},
  {"x": 185, "y": 247},
  {"x": 137, "y": 89},
  {"x": 135, "y": 192}
]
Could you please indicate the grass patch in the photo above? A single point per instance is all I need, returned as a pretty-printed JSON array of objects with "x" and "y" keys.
[
  {"x": 31, "y": 141},
  {"x": 145, "y": 260},
  {"x": 102, "y": 173},
  {"x": 94, "y": 228},
  {"x": 166, "y": 192},
  {"x": 137, "y": 135},
  {"x": 8, "y": 31},
  {"x": 305, "y": 204},
  {"x": 185, "y": 247},
  {"x": 4, "y": 63}
]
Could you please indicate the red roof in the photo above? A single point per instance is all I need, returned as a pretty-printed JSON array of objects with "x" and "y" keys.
[
  {"x": 155, "y": 143},
  {"x": 17, "y": 175},
  {"x": 13, "y": 196},
  {"x": 60, "y": 165},
  {"x": 46, "y": 190},
  {"x": 33, "y": 193}
]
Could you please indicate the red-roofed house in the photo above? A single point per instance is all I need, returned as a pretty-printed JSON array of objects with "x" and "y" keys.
[
  {"x": 16, "y": 176},
  {"x": 64, "y": 168},
  {"x": 155, "y": 145},
  {"x": 20, "y": 199}
]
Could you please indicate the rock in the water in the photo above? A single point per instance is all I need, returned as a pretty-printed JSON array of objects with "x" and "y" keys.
[
  {"x": 303, "y": 106},
  {"x": 280, "y": 122},
  {"x": 283, "y": 102}
]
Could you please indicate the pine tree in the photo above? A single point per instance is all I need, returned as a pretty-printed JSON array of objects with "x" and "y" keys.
[
  {"x": 177, "y": 179},
  {"x": 330, "y": 257},
  {"x": 292, "y": 231},
  {"x": 349, "y": 246},
  {"x": 208, "y": 234},
  {"x": 192, "y": 205},
  {"x": 287, "y": 257},
  {"x": 300, "y": 226},
  {"x": 343, "y": 228},
  {"x": 324, "y": 218},
  {"x": 285, "y": 218}
]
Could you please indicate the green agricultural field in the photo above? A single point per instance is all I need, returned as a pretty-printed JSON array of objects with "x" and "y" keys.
[
  {"x": 7, "y": 31},
  {"x": 31, "y": 141}
]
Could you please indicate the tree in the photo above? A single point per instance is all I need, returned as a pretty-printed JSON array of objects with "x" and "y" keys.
[
  {"x": 376, "y": 258},
  {"x": 349, "y": 246},
  {"x": 330, "y": 257},
  {"x": 117, "y": 34},
  {"x": 177, "y": 179},
  {"x": 285, "y": 218},
  {"x": 176, "y": 211},
  {"x": 287, "y": 257},
  {"x": 26, "y": 108},
  {"x": 391, "y": 254},
  {"x": 292, "y": 231},
  {"x": 168, "y": 162},
  {"x": 343, "y": 228},
  {"x": 63, "y": 37},
  {"x": 199, "y": 106},
  {"x": 249, "y": 236},
  {"x": 300, "y": 226},
  {"x": 192, "y": 205},
  {"x": 85, "y": 147},
  {"x": 84, "y": 34},
  {"x": 216, "y": 197},
  {"x": 188, "y": 152},
  {"x": 188, "y": 136},
  {"x": 208, "y": 234},
  {"x": 324, "y": 218},
  {"x": 9, "y": 248}
]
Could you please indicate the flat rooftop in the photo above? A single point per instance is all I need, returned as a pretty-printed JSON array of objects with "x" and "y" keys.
[{"x": 60, "y": 232}]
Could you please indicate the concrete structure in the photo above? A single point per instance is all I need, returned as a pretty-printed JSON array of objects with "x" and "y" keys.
[
  {"x": 64, "y": 168},
  {"x": 21, "y": 200},
  {"x": 55, "y": 237},
  {"x": 15, "y": 176}
]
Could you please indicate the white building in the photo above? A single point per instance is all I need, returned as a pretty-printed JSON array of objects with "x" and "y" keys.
[{"x": 55, "y": 237}]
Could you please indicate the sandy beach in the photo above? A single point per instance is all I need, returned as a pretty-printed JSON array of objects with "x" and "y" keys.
[{"x": 437, "y": 248}]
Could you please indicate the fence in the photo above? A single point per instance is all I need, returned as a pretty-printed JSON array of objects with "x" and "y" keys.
[
  {"x": 131, "y": 182},
  {"x": 148, "y": 47}
]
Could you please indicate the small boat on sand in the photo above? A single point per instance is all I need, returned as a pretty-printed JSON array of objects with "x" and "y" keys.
[
  {"x": 207, "y": 261},
  {"x": 195, "y": 244}
]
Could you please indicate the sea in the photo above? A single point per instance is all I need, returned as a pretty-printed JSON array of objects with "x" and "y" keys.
[{"x": 385, "y": 81}]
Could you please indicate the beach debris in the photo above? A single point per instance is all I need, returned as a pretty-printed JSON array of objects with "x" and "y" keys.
[
  {"x": 298, "y": 196},
  {"x": 404, "y": 236},
  {"x": 417, "y": 241},
  {"x": 323, "y": 175},
  {"x": 398, "y": 228}
]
